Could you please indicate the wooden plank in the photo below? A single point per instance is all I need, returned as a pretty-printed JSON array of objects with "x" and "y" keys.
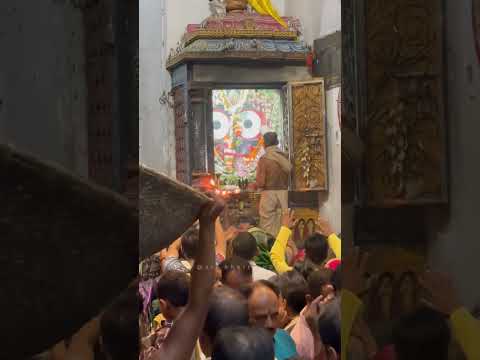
[
  {"x": 67, "y": 248},
  {"x": 167, "y": 209}
]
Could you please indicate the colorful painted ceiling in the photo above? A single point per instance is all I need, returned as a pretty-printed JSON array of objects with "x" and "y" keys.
[{"x": 241, "y": 36}]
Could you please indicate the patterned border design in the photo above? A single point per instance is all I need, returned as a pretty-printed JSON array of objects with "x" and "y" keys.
[
  {"x": 241, "y": 49},
  {"x": 231, "y": 33},
  {"x": 299, "y": 58}
]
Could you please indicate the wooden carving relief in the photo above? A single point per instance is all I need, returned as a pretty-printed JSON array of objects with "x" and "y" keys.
[
  {"x": 309, "y": 136},
  {"x": 406, "y": 158}
]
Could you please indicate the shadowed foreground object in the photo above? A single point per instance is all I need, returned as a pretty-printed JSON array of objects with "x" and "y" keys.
[
  {"x": 167, "y": 209},
  {"x": 67, "y": 249}
]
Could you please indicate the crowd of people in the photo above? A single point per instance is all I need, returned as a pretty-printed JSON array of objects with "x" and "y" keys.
[
  {"x": 213, "y": 287},
  {"x": 213, "y": 294},
  {"x": 251, "y": 293}
]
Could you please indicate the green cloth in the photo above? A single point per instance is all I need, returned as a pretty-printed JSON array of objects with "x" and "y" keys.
[
  {"x": 263, "y": 258},
  {"x": 263, "y": 244}
]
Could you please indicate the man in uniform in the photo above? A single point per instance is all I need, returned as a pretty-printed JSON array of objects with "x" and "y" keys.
[{"x": 273, "y": 172}]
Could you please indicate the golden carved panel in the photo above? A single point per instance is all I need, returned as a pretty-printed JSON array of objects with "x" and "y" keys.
[
  {"x": 405, "y": 129},
  {"x": 309, "y": 136}
]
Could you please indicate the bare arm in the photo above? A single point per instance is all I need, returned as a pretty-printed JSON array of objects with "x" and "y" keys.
[
  {"x": 181, "y": 340},
  {"x": 174, "y": 249},
  {"x": 83, "y": 343},
  {"x": 220, "y": 239}
]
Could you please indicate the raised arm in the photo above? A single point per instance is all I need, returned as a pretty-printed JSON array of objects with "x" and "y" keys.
[
  {"x": 173, "y": 250},
  {"x": 183, "y": 336},
  {"x": 220, "y": 239},
  {"x": 324, "y": 228},
  {"x": 277, "y": 253}
]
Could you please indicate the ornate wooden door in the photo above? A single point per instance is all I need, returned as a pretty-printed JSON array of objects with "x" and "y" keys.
[
  {"x": 404, "y": 125},
  {"x": 308, "y": 136}
]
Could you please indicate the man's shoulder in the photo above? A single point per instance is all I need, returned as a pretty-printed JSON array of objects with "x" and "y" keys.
[
  {"x": 262, "y": 159},
  {"x": 259, "y": 273}
]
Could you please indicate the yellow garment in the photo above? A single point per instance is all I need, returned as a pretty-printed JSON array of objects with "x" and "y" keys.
[
  {"x": 466, "y": 331},
  {"x": 351, "y": 306},
  {"x": 264, "y": 7},
  {"x": 336, "y": 245},
  {"x": 277, "y": 253},
  {"x": 465, "y": 328}
]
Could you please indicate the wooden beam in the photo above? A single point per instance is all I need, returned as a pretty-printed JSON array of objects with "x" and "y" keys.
[{"x": 68, "y": 247}]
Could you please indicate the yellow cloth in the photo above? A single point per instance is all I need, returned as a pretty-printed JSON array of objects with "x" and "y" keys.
[
  {"x": 465, "y": 328},
  {"x": 351, "y": 306},
  {"x": 466, "y": 331},
  {"x": 336, "y": 245},
  {"x": 277, "y": 253},
  {"x": 158, "y": 319}
]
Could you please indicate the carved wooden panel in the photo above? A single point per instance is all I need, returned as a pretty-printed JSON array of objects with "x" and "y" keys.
[
  {"x": 181, "y": 150},
  {"x": 405, "y": 130},
  {"x": 198, "y": 130},
  {"x": 308, "y": 136}
]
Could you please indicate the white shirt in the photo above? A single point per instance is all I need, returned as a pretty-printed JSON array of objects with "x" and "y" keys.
[{"x": 260, "y": 273}]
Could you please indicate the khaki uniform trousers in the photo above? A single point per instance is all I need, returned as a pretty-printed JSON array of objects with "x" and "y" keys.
[{"x": 272, "y": 205}]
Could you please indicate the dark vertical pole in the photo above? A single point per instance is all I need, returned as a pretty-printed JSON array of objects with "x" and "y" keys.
[
  {"x": 124, "y": 43},
  {"x": 116, "y": 103}
]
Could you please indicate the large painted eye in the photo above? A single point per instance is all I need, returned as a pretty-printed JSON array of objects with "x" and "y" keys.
[
  {"x": 251, "y": 124},
  {"x": 221, "y": 125}
]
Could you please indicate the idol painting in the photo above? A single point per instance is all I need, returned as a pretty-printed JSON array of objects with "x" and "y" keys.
[{"x": 239, "y": 118}]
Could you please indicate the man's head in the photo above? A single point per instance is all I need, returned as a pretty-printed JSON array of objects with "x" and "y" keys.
[
  {"x": 270, "y": 139},
  {"x": 245, "y": 223},
  {"x": 316, "y": 248},
  {"x": 240, "y": 343},
  {"x": 236, "y": 272},
  {"x": 190, "y": 242},
  {"x": 264, "y": 306},
  {"x": 320, "y": 283},
  {"x": 245, "y": 246},
  {"x": 425, "y": 334},
  {"x": 226, "y": 308},
  {"x": 119, "y": 328},
  {"x": 172, "y": 291},
  {"x": 329, "y": 328},
  {"x": 293, "y": 289}
]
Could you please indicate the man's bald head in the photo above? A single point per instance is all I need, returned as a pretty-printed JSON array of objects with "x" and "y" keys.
[{"x": 264, "y": 306}]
